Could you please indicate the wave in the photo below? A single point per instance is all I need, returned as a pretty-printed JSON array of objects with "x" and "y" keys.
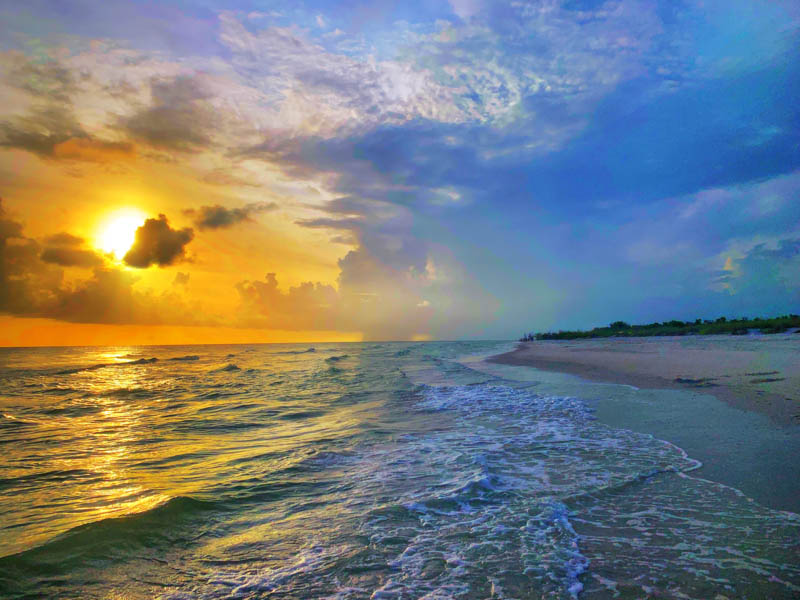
[
  {"x": 188, "y": 357},
  {"x": 230, "y": 367},
  {"x": 46, "y": 477},
  {"x": 8, "y": 421},
  {"x": 141, "y": 361},
  {"x": 333, "y": 359},
  {"x": 298, "y": 351},
  {"x": 115, "y": 537}
]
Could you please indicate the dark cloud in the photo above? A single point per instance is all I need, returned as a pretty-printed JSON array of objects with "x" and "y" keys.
[
  {"x": 67, "y": 250},
  {"x": 40, "y": 131},
  {"x": 52, "y": 132},
  {"x": 310, "y": 305},
  {"x": 8, "y": 227},
  {"x": 219, "y": 217},
  {"x": 25, "y": 281},
  {"x": 64, "y": 239},
  {"x": 71, "y": 257},
  {"x": 157, "y": 243},
  {"x": 32, "y": 287},
  {"x": 178, "y": 119},
  {"x": 181, "y": 279},
  {"x": 107, "y": 297}
]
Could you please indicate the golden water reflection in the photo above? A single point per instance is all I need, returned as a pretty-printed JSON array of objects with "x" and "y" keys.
[{"x": 125, "y": 438}]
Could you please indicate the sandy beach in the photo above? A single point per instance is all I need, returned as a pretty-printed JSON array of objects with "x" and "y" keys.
[{"x": 760, "y": 374}]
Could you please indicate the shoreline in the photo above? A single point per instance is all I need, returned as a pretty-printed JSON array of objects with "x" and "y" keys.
[
  {"x": 758, "y": 376},
  {"x": 745, "y": 433}
]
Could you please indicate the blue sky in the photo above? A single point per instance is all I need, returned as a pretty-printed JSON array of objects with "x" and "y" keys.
[{"x": 501, "y": 166}]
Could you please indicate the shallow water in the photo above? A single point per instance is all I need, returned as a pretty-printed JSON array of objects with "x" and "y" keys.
[{"x": 351, "y": 471}]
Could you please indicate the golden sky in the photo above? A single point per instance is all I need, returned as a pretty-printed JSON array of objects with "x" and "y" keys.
[{"x": 181, "y": 172}]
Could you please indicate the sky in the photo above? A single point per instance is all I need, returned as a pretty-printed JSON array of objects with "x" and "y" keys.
[{"x": 271, "y": 171}]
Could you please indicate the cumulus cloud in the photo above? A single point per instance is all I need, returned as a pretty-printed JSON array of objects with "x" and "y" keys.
[
  {"x": 32, "y": 287},
  {"x": 220, "y": 217},
  {"x": 71, "y": 257},
  {"x": 392, "y": 285},
  {"x": 768, "y": 272},
  {"x": 109, "y": 296},
  {"x": 156, "y": 243},
  {"x": 67, "y": 250},
  {"x": 307, "y": 306},
  {"x": 27, "y": 284}
]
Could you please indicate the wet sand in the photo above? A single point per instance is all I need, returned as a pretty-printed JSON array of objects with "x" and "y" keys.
[
  {"x": 759, "y": 374},
  {"x": 730, "y": 402}
]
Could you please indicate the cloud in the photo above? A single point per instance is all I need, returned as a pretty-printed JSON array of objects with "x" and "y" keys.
[
  {"x": 463, "y": 155},
  {"x": 64, "y": 239},
  {"x": 90, "y": 150},
  {"x": 307, "y": 306},
  {"x": 71, "y": 257},
  {"x": 41, "y": 130},
  {"x": 156, "y": 243},
  {"x": 770, "y": 274},
  {"x": 307, "y": 88},
  {"x": 9, "y": 228},
  {"x": 466, "y": 8},
  {"x": 67, "y": 250},
  {"x": 52, "y": 132},
  {"x": 178, "y": 118},
  {"x": 393, "y": 285},
  {"x": 32, "y": 287},
  {"x": 220, "y": 217},
  {"x": 181, "y": 278},
  {"x": 44, "y": 79},
  {"x": 24, "y": 279},
  {"x": 109, "y": 297}
]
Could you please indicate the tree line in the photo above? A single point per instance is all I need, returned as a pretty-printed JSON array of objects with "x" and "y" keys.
[{"x": 720, "y": 326}]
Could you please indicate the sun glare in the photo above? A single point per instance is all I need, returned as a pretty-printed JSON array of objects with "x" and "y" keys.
[{"x": 117, "y": 233}]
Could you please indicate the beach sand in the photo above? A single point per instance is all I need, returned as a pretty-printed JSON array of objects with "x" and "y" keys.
[
  {"x": 731, "y": 402},
  {"x": 759, "y": 374}
]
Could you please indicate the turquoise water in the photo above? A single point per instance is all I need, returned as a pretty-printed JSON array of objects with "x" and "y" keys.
[{"x": 351, "y": 471}]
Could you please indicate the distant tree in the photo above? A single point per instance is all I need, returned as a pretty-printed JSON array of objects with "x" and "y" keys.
[{"x": 620, "y": 325}]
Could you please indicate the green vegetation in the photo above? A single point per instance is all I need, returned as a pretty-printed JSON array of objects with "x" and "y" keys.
[{"x": 741, "y": 326}]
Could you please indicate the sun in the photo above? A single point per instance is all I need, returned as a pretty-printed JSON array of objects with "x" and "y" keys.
[{"x": 118, "y": 232}]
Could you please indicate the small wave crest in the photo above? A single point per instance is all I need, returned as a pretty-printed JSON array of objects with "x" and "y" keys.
[
  {"x": 131, "y": 363},
  {"x": 114, "y": 537},
  {"x": 337, "y": 358}
]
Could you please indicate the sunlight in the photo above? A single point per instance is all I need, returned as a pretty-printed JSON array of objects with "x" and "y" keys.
[{"x": 118, "y": 232}]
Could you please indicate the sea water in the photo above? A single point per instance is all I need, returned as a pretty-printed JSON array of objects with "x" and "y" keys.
[{"x": 374, "y": 470}]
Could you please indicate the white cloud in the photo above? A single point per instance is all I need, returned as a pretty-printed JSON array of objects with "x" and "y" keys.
[{"x": 466, "y": 8}]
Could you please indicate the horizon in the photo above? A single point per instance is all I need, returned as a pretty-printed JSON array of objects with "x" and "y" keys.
[
  {"x": 207, "y": 173},
  {"x": 385, "y": 341}
]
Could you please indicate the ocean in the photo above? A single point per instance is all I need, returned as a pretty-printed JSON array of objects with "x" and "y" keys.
[{"x": 352, "y": 471}]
